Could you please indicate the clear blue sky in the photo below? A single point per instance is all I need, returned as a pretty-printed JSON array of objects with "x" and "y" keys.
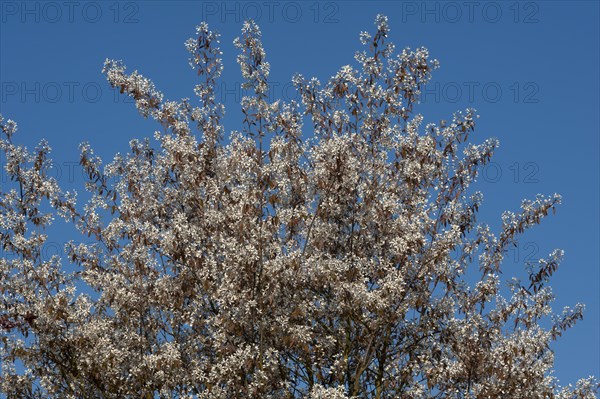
[{"x": 530, "y": 68}]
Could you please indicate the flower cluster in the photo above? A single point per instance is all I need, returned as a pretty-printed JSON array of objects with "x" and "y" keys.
[{"x": 348, "y": 265}]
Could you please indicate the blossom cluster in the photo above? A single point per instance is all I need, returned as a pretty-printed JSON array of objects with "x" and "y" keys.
[{"x": 268, "y": 265}]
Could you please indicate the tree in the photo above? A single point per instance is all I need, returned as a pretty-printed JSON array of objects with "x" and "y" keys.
[{"x": 272, "y": 266}]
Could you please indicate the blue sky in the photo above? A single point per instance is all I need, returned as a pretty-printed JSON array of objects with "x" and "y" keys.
[{"x": 530, "y": 68}]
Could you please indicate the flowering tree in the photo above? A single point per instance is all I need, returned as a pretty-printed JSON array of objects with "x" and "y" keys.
[{"x": 268, "y": 266}]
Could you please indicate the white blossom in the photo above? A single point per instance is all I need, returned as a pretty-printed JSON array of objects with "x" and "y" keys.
[{"x": 347, "y": 265}]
